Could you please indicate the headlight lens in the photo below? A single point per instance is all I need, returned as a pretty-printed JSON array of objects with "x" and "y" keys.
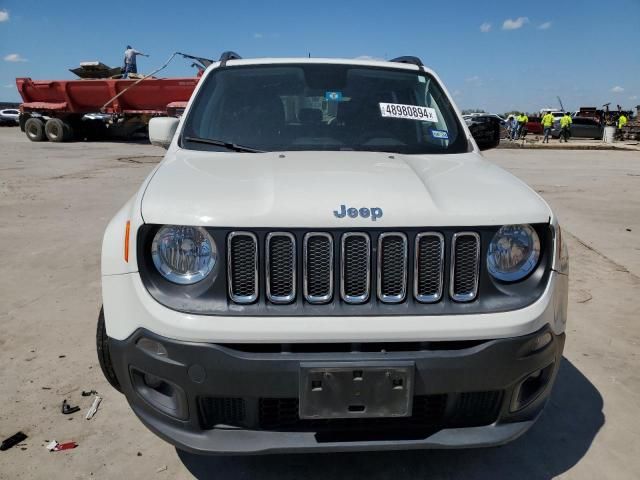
[
  {"x": 513, "y": 252},
  {"x": 183, "y": 255}
]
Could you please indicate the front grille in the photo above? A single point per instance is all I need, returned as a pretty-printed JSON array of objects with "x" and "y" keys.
[
  {"x": 465, "y": 255},
  {"x": 318, "y": 267},
  {"x": 221, "y": 411},
  {"x": 282, "y": 414},
  {"x": 429, "y": 267},
  {"x": 392, "y": 267},
  {"x": 429, "y": 414},
  {"x": 242, "y": 263},
  {"x": 269, "y": 263},
  {"x": 281, "y": 267},
  {"x": 474, "y": 409},
  {"x": 356, "y": 267}
]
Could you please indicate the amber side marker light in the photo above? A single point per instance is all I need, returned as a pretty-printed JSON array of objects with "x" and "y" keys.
[{"x": 126, "y": 241}]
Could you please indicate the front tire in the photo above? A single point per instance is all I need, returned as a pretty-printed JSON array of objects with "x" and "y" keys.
[{"x": 104, "y": 355}]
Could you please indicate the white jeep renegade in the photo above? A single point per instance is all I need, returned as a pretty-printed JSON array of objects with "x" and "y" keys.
[{"x": 324, "y": 261}]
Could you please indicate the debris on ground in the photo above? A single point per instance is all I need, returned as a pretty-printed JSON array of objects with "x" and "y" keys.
[
  {"x": 54, "y": 446},
  {"x": 161, "y": 469},
  {"x": 94, "y": 407},
  {"x": 67, "y": 409},
  {"x": 12, "y": 441},
  {"x": 89, "y": 393}
]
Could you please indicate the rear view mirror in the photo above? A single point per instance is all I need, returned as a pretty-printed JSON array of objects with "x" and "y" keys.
[
  {"x": 486, "y": 131},
  {"x": 161, "y": 130}
]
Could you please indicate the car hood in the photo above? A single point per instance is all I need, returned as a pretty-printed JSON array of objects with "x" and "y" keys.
[{"x": 303, "y": 189}]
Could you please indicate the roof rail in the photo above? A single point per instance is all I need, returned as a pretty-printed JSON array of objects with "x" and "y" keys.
[
  {"x": 228, "y": 55},
  {"x": 408, "y": 59}
]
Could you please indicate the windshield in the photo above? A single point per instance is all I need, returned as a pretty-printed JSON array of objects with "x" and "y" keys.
[{"x": 322, "y": 107}]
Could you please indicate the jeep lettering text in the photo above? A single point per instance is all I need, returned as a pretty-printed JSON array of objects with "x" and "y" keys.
[{"x": 372, "y": 213}]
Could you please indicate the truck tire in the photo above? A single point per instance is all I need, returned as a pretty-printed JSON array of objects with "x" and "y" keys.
[
  {"x": 22, "y": 119},
  {"x": 56, "y": 130},
  {"x": 34, "y": 129},
  {"x": 69, "y": 133},
  {"x": 104, "y": 355}
]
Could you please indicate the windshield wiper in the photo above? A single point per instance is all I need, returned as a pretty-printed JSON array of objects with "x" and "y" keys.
[{"x": 220, "y": 143}]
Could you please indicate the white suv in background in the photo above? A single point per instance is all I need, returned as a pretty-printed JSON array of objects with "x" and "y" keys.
[{"x": 324, "y": 261}]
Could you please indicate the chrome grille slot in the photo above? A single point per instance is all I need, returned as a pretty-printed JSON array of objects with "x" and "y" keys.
[
  {"x": 242, "y": 267},
  {"x": 280, "y": 251},
  {"x": 465, "y": 263},
  {"x": 318, "y": 267},
  {"x": 428, "y": 267},
  {"x": 392, "y": 267},
  {"x": 355, "y": 266}
]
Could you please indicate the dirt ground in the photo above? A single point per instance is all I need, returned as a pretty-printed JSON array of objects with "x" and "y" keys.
[{"x": 56, "y": 199}]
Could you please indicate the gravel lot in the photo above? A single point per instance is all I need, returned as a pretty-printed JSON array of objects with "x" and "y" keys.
[{"x": 56, "y": 199}]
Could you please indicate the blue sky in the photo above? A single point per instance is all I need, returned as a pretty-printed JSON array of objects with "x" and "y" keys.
[{"x": 495, "y": 55}]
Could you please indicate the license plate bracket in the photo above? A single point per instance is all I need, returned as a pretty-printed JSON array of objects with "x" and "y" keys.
[{"x": 356, "y": 390}]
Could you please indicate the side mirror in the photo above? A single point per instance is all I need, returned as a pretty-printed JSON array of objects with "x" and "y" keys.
[
  {"x": 486, "y": 131},
  {"x": 161, "y": 130}
]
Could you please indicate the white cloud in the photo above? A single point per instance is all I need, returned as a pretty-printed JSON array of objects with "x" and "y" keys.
[
  {"x": 258, "y": 35},
  {"x": 485, "y": 27},
  {"x": 510, "y": 24},
  {"x": 14, "y": 57},
  {"x": 617, "y": 89},
  {"x": 9, "y": 85},
  {"x": 4, "y": 16},
  {"x": 456, "y": 93},
  {"x": 474, "y": 79},
  {"x": 544, "y": 26},
  {"x": 633, "y": 97}
]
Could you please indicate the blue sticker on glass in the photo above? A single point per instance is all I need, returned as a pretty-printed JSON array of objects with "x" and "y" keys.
[
  {"x": 440, "y": 134},
  {"x": 333, "y": 96}
]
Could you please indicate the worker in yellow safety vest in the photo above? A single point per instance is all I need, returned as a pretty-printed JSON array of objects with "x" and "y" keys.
[
  {"x": 522, "y": 122},
  {"x": 622, "y": 120},
  {"x": 565, "y": 127},
  {"x": 547, "y": 124}
]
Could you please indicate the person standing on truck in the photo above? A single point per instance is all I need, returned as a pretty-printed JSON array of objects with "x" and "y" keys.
[
  {"x": 130, "y": 65},
  {"x": 565, "y": 127},
  {"x": 547, "y": 124}
]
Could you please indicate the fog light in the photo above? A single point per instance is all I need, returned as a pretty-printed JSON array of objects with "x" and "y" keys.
[
  {"x": 152, "y": 347},
  {"x": 531, "y": 387},
  {"x": 152, "y": 381},
  {"x": 160, "y": 393}
]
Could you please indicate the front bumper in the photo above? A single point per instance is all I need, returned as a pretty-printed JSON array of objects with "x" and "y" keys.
[{"x": 233, "y": 399}]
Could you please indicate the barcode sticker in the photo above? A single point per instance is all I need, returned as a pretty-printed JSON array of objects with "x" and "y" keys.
[{"x": 408, "y": 112}]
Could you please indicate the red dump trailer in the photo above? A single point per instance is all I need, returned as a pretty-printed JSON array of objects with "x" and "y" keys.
[{"x": 56, "y": 110}]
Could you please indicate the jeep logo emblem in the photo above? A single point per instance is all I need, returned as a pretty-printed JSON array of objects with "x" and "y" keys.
[{"x": 372, "y": 213}]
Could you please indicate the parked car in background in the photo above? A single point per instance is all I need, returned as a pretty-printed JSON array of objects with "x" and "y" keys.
[
  {"x": 468, "y": 118},
  {"x": 9, "y": 116},
  {"x": 581, "y": 127},
  {"x": 558, "y": 114},
  {"x": 534, "y": 126}
]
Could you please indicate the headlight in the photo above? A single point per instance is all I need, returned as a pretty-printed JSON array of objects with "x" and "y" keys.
[
  {"x": 513, "y": 252},
  {"x": 183, "y": 255}
]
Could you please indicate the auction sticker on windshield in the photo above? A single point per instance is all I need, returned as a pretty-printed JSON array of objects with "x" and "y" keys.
[{"x": 408, "y": 112}]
